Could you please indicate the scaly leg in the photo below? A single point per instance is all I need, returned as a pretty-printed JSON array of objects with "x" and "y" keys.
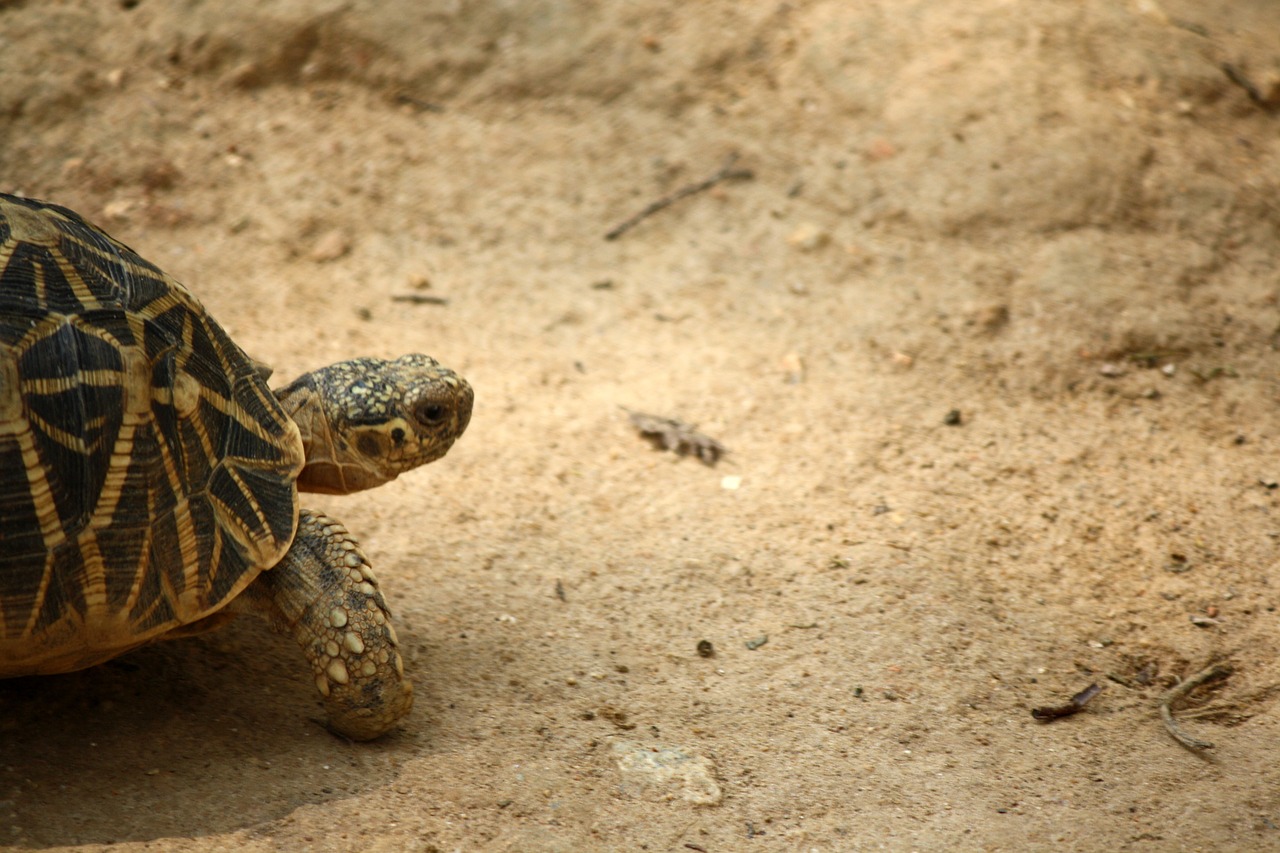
[{"x": 324, "y": 593}]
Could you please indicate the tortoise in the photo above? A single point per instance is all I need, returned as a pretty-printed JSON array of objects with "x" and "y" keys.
[{"x": 149, "y": 476}]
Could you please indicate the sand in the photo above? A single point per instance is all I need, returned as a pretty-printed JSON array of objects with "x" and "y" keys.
[{"x": 986, "y": 317}]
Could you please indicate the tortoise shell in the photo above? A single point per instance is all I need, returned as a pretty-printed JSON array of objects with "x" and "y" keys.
[{"x": 147, "y": 472}]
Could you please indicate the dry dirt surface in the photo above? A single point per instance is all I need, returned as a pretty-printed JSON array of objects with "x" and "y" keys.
[{"x": 984, "y": 310}]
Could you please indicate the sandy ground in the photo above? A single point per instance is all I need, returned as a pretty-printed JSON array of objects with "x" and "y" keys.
[{"x": 1057, "y": 219}]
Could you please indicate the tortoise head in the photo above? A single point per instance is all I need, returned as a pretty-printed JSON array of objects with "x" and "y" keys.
[{"x": 367, "y": 420}]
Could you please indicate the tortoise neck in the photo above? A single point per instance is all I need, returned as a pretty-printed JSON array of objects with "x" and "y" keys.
[{"x": 330, "y": 467}]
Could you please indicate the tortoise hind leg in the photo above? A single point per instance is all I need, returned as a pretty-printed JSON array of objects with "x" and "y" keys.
[{"x": 324, "y": 593}]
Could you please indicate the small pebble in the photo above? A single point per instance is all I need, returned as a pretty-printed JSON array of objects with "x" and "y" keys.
[
  {"x": 669, "y": 767},
  {"x": 880, "y": 149},
  {"x": 808, "y": 238},
  {"x": 331, "y": 246},
  {"x": 793, "y": 368}
]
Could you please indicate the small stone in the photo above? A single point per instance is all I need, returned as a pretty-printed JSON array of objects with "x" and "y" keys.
[
  {"x": 1111, "y": 370},
  {"x": 663, "y": 766},
  {"x": 808, "y": 238},
  {"x": 246, "y": 75},
  {"x": 705, "y": 649},
  {"x": 1269, "y": 89},
  {"x": 119, "y": 209},
  {"x": 331, "y": 246},
  {"x": 992, "y": 318},
  {"x": 730, "y": 483},
  {"x": 880, "y": 149},
  {"x": 793, "y": 368},
  {"x": 953, "y": 418}
]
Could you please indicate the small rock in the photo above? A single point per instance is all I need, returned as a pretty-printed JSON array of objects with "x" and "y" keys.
[
  {"x": 730, "y": 482},
  {"x": 809, "y": 237},
  {"x": 1111, "y": 370},
  {"x": 121, "y": 208},
  {"x": 1269, "y": 89},
  {"x": 793, "y": 368},
  {"x": 992, "y": 318},
  {"x": 331, "y": 246},
  {"x": 663, "y": 766},
  {"x": 246, "y": 75},
  {"x": 1169, "y": 369},
  {"x": 880, "y": 149}
]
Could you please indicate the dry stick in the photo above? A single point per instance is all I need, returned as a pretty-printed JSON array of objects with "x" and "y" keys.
[
  {"x": 1235, "y": 75},
  {"x": 420, "y": 299},
  {"x": 1213, "y": 673},
  {"x": 724, "y": 173}
]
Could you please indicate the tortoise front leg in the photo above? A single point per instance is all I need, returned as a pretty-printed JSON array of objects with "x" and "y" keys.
[{"x": 324, "y": 593}]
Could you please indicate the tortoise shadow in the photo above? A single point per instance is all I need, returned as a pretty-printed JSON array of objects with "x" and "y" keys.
[{"x": 184, "y": 738}]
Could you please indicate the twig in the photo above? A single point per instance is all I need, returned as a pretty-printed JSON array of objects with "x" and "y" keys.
[
  {"x": 1213, "y": 673},
  {"x": 724, "y": 173},
  {"x": 1235, "y": 75},
  {"x": 420, "y": 299}
]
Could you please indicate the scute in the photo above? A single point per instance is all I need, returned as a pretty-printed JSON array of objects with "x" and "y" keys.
[{"x": 147, "y": 473}]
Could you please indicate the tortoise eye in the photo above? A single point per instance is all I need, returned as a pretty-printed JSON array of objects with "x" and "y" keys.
[{"x": 431, "y": 413}]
